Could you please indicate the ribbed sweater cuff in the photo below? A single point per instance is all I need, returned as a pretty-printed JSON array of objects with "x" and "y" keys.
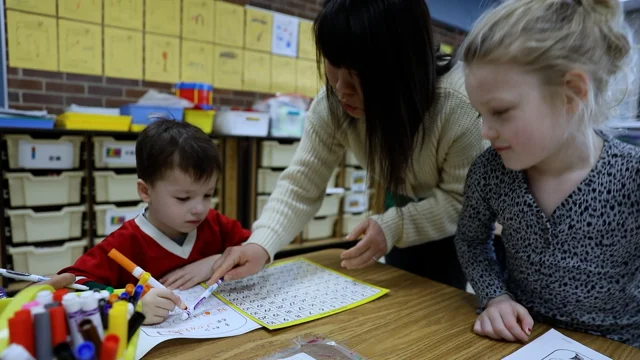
[{"x": 391, "y": 224}]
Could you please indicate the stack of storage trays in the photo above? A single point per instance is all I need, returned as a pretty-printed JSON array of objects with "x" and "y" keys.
[
  {"x": 116, "y": 193},
  {"x": 45, "y": 208},
  {"x": 357, "y": 197},
  {"x": 274, "y": 158}
]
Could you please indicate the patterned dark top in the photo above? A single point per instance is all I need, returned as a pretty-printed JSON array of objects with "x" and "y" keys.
[{"x": 580, "y": 267}]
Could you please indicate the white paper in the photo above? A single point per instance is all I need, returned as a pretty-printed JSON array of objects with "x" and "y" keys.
[
  {"x": 284, "y": 37},
  {"x": 555, "y": 346},
  {"x": 294, "y": 292},
  {"x": 213, "y": 319},
  {"x": 299, "y": 357}
]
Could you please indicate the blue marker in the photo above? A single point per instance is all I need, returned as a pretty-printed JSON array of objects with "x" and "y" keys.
[
  {"x": 136, "y": 295},
  {"x": 86, "y": 351},
  {"x": 3, "y": 293}
]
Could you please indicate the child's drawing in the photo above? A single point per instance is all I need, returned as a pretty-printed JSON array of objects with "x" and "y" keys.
[{"x": 563, "y": 354}]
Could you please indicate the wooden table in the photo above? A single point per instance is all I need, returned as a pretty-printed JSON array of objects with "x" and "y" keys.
[{"x": 417, "y": 319}]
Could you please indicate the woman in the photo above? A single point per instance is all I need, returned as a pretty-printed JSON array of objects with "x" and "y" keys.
[{"x": 403, "y": 111}]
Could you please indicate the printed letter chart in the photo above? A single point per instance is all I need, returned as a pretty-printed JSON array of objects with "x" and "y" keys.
[{"x": 292, "y": 292}]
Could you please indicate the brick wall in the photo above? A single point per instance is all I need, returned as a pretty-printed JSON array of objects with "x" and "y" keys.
[{"x": 52, "y": 91}]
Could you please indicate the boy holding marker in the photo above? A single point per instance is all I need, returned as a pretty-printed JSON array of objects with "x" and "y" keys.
[{"x": 178, "y": 237}]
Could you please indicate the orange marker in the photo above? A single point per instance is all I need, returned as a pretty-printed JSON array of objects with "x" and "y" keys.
[
  {"x": 145, "y": 291},
  {"x": 129, "y": 289},
  {"x": 136, "y": 270}
]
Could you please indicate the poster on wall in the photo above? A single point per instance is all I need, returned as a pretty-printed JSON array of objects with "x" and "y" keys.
[{"x": 284, "y": 37}]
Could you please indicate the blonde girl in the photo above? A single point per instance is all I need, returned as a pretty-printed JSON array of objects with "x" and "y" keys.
[{"x": 540, "y": 73}]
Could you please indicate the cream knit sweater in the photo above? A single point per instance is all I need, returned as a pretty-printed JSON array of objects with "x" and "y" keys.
[{"x": 451, "y": 144}]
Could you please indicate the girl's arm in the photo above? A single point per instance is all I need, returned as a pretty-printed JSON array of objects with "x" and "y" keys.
[{"x": 474, "y": 240}]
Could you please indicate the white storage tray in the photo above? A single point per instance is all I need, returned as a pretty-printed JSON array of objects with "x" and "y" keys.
[
  {"x": 30, "y": 226},
  {"x": 25, "y": 152},
  {"x": 46, "y": 260},
  {"x": 28, "y": 190},
  {"x": 111, "y": 153},
  {"x": 112, "y": 187}
]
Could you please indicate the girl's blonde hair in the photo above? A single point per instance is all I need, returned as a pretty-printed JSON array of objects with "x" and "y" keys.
[{"x": 549, "y": 38}]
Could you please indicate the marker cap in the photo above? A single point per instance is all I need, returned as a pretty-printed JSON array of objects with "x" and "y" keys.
[
  {"x": 59, "y": 294},
  {"x": 63, "y": 351},
  {"x": 129, "y": 289},
  {"x": 109, "y": 347},
  {"x": 86, "y": 351},
  {"x": 110, "y": 289},
  {"x": 44, "y": 297},
  {"x": 21, "y": 330},
  {"x": 16, "y": 352}
]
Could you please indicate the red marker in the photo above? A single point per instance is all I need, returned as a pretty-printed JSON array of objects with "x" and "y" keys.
[
  {"x": 57, "y": 296},
  {"x": 21, "y": 331},
  {"x": 58, "y": 325},
  {"x": 109, "y": 347}
]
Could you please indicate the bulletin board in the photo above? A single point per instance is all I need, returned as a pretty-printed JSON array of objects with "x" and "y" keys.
[{"x": 228, "y": 45}]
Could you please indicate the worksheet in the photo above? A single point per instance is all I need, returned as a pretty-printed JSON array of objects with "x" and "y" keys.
[
  {"x": 296, "y": 291},
  {"x": 213, "y": 319},
  {"x": 555, "y": 346}
]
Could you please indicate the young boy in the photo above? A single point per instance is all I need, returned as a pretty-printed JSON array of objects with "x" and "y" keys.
[{"x": 178, "y": 237}]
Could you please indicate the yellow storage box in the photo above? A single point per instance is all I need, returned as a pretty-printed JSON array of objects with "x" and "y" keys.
[
  {"x": 81, "y": 121},
  {"x": 202, "y": 119}
]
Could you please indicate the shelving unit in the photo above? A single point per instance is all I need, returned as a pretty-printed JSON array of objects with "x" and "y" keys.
[{"x": 107, "y": 191}]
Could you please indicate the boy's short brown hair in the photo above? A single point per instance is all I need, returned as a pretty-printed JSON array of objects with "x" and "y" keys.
[{"x": 165, "y": 145}]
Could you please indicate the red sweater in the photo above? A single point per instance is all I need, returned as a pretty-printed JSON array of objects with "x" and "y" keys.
[{"x": 153, "y": 251}]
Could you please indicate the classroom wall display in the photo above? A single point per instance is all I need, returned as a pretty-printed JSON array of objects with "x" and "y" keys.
[
  {"x": 227, "y": 67},
  {"x": 258, "y": 28},
  {"x": 162, "y": 17},
  {"x": 123, "y": 13},
  {"x": 198, "y": 19},
  {"x": 229, "y": 26},
  {"x": 306, "y": 45},
  {"x": 284, "y": 39},
  {"x": 80, "y": 47},
  {"x": 283, "y": 74},
  {"x": 196, "y": 61},
  {"x": 32, "y": 41},
  {"x": 86, "y": 10},
  {"x": 161, "y": 58},
  {"x": 232, "y": 46},
  {"x": 122, "y": 53},
  {"x": 47, "y": 7},
  {"x": 257, "y": 71}
]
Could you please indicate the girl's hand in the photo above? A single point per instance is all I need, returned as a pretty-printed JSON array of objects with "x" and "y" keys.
[
  {"x": 505, "y": 319},
  {"x": 372, "y": 247},
  {"x": 157, "y": 303},
  {"x": 190, "y": 275}
]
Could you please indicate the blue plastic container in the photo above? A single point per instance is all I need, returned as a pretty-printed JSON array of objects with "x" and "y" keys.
[
  {"x": 145, "y": 114},
  {"x": 26, "y": 123}
]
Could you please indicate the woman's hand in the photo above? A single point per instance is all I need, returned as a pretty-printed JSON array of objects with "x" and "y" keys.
[
  {"x": 505, "y": 319},
  {"x": 190, "y": 275},
  {"x": 372, "y": 247},
  {"x": 238, "y": 262}
]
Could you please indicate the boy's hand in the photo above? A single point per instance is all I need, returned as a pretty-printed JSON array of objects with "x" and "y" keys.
[
  {"x": 58, "y": 281},
  {"x": 190, "y": 275},
  {"x": 238, "y": 262},
  {"x": 157, "y": 303},
  {"x": 505, "y": 319}
]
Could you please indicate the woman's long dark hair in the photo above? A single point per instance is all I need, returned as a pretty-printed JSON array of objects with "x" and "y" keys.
[{"x": 389, "y": 45}]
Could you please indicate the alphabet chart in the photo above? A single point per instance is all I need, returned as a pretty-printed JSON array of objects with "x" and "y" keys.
[
  {"x": 296, "y": 291},
  {"x": 214, "y": 319}
]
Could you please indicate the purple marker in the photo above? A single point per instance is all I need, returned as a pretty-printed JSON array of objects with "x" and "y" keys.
[{"x": 206, "y": 294}]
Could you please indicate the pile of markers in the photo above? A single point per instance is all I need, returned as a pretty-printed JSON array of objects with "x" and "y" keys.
[{"x": 91, "y": 325}]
